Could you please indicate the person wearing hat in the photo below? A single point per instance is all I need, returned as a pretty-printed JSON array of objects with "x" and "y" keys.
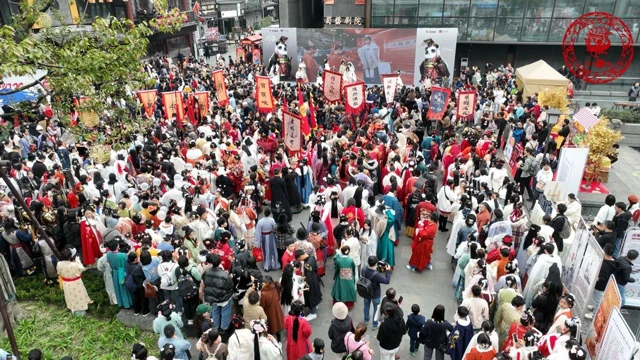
[
  {"x": 634, "y": 208},
  {"x": 202, "y": 321},
  {"x": 340, "y": 326}
]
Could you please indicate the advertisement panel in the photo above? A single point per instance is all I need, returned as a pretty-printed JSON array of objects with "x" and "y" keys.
[
  {"x": 417, "y": 54},
  {"x": 610, "y": 300},
  {"x": 632, "y": 242},
  {"x": 279, "y": 52}
]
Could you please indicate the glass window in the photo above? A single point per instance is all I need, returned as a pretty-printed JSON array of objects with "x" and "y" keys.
[
  {"x": 535, "y": 29},
  {"x": 431, "y": 7},
  {"x": 628, "y": 8},
  {"x": 568, "y": 8},
  {"x": 510, "y": 8},
  {"x": 634, "y": 27},
  {"x": 508, "y": 29},
  {"x": 481, "y": 29},
  {"x": 382, "y": 8},
  {"x": 483, "y": 8},
  {"x": 430, "y": 21},
  {"x": 558, "y": 28},
  {"x": 456, "y": 8},
  {"x": 406, "y": 12},
  {"x": 539, "y": 8},
  {"x": 600, "y": 5},
  {"x": 381, "y": 21},
  {"x": 461, "y": 23}
]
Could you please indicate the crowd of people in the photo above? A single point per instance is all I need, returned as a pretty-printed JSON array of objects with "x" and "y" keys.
[{"x": 194, "y": 220}]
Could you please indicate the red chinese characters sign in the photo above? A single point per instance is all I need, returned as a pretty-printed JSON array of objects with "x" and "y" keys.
[
  {"x": 466, "y": 105},
  {"x": 390, "y": 82},
  {"x": 354, "y": 98},
  {"x": 148, "y": 100},
  {"x": 221, "y": 87},
  {"x": 292, "y": 131},
  {"x": 264, "y": 98},
  {"x": 332, "y": 86}
]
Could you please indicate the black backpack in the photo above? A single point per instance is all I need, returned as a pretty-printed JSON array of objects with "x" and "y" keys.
[
  {"x": 365, "y": 287},
  {"x": 187, "y": 287}
]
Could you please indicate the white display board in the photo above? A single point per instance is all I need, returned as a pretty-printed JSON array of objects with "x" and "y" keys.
[
  {"x": 632, "y": 290},
  {"x": 570, "y": 169},
  {"x": 619, "y": 343}
]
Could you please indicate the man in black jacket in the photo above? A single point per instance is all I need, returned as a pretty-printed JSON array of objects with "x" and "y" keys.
[
  {"x": 621, "y": 220},
  {"x": 376, "y": 278},
  {"x": 557, "y": 224},
  {"x": 217, "y": 289},
  {"x": 607, "y": 235},
  {"x": 39, "y": 168},
  {"x": 623, "y": 273},
  {"x": 609, "y": 267},
  {"x": 391, "y": 331}
]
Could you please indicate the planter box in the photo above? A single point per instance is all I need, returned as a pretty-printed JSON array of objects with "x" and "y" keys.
[{"x": 630, "y": 129}]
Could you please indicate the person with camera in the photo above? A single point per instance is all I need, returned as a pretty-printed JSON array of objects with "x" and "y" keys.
[{"x": 377, "y": 272}]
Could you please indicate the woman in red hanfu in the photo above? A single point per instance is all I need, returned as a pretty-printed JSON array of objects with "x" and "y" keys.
[
  {"x": 422, "y": 246},
  {"x": 91, "y": 237}
]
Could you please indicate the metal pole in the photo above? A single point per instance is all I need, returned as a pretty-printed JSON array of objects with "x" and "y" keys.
[
  {"x": 18, "y": 196},
  {"x": 9, "y": 328}
]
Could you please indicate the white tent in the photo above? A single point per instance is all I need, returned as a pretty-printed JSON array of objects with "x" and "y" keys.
[{"x": 539, "y": 76}]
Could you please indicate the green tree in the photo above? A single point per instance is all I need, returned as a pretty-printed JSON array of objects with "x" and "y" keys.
[{"x": 99, "y": 63}]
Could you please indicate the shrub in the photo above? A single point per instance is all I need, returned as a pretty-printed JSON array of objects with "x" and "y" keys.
[{"x": 625, "y": 115}]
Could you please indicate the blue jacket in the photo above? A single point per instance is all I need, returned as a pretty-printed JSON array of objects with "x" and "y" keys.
[{"x": 414, "y": 324}]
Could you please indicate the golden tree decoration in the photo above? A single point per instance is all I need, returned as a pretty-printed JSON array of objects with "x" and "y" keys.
[
  {"x": 555, "y": 98},
  {"x": 600, "y": 141},
  {"x": 100, "y": 154}
]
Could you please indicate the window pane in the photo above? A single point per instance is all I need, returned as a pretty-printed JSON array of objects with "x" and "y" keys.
[
  {"x": 430, "y": 21},
  {"x": 628, "y": 8},
  {"x": 568, "y": 8},
  {"x": 535, "y": 29},
  {"x": 508, "y": 29},
  {"x": 382, "y": 8},
  {"x": 481, "y": 29},
  {"x": 382, "y": 21},
  {"x": 431, "y": 7},
  {"x": 600, "y": 5},
  {"x": 510, "y": 8},
  {"x": 461, "y": 23},
  {"x": 456, "y": 7},
  {"x": 406, "y": 12},
  {"x": 539, "y": 8},
  {"x": 558, "y": 28},
  {"x": 483, "y": 8},
  {"x": 634, "y": 27}
]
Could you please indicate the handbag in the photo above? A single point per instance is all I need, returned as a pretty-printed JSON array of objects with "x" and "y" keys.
[
  {"x": 257, "y": 254},
  {"x": 150, "y": 291}
]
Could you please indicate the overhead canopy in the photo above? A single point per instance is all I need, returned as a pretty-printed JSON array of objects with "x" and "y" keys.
[{"x": 539, "y": 76}]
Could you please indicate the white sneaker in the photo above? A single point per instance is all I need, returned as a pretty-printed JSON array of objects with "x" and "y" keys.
[
  {"x": 311, "y": 317},
  {"x": 190, "y": 322},
  {"x": 588, "y": 316},
  {"x": 430, "y": 267},
  {"x": 590, "y": 307}
]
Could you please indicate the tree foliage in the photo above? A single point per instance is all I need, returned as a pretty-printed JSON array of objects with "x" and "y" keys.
[{"x": 100, "y": 62}]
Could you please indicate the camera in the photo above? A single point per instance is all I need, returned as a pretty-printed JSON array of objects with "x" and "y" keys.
[
  {"x": 257, "y": 284},
  {"x": 382, "y": 265}
]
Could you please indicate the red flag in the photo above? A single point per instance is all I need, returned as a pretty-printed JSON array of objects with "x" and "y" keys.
[
  {"x": 148, "y": 100},
  {"x": 264, "y": 96},
  {"x": 355, "y": 98},
  {"x": 312, "y": 112},
  {"x": 303, "y": 117},
  {"x": 438, "y": 103}
]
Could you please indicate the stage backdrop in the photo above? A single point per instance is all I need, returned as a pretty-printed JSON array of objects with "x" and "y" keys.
[{"x": 416, "y": 53}]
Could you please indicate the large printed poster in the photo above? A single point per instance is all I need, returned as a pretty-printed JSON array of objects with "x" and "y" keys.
[
  {"x": 279, "y": 46},
  {"x": 416, "y": 53},
  {"x": 632, "y": 242},
  {"x": 610, "y": 300}
]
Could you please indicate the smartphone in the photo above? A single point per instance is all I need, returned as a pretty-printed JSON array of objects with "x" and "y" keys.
[
  {"x": 514, "y": 337},
  {"x": 400, "y": 300}
]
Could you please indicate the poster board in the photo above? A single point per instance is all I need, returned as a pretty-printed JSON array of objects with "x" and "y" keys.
[
  {"x": 632, "y": 290},
  {"x": 619, "y": 343},
  {"x": 610, "y": 300},
  {"x": 571, "y": 165},
  {"x": 373, "y": 52},
  {"x": 571, "y": 264},
  {"x": 585, "y": 279}
]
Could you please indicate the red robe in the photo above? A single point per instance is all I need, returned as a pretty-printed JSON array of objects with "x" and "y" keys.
[
  {"x": 422, "y": 246},
  {"x": 91, "y": 240},
  {"x": 353, "y": 213},
  {"x": 301, "y": 347},
  {"x": 429, "y": 207}
]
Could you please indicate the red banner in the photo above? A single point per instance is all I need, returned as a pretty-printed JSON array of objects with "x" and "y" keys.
[
  {"x": 466, "y": 105},
  {"x": 203, "y": 102},
  {"x": 354, "y": 98},
  {"x": 256, "y": 54},
  {"x": 264, "y": 97},
  {"x": 390, "y": 83},
  {"x": 148, "y": 100},
  {"x": 221, "y": 87},
  {"x": 360, "y": 2},
  {"x": 172, "y": 102},
  {"x": 292, "y": 131},
  {"x": 438, "y": 103},
  {"x": 240, "y": 54},
  {"x": 332, "y": 86}
]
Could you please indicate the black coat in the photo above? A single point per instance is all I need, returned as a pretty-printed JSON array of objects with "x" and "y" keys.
[
  {"x": 279, "y": 197},
  {"x": 312, "y": 297},
  {"x": 72, "y": 234}
]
